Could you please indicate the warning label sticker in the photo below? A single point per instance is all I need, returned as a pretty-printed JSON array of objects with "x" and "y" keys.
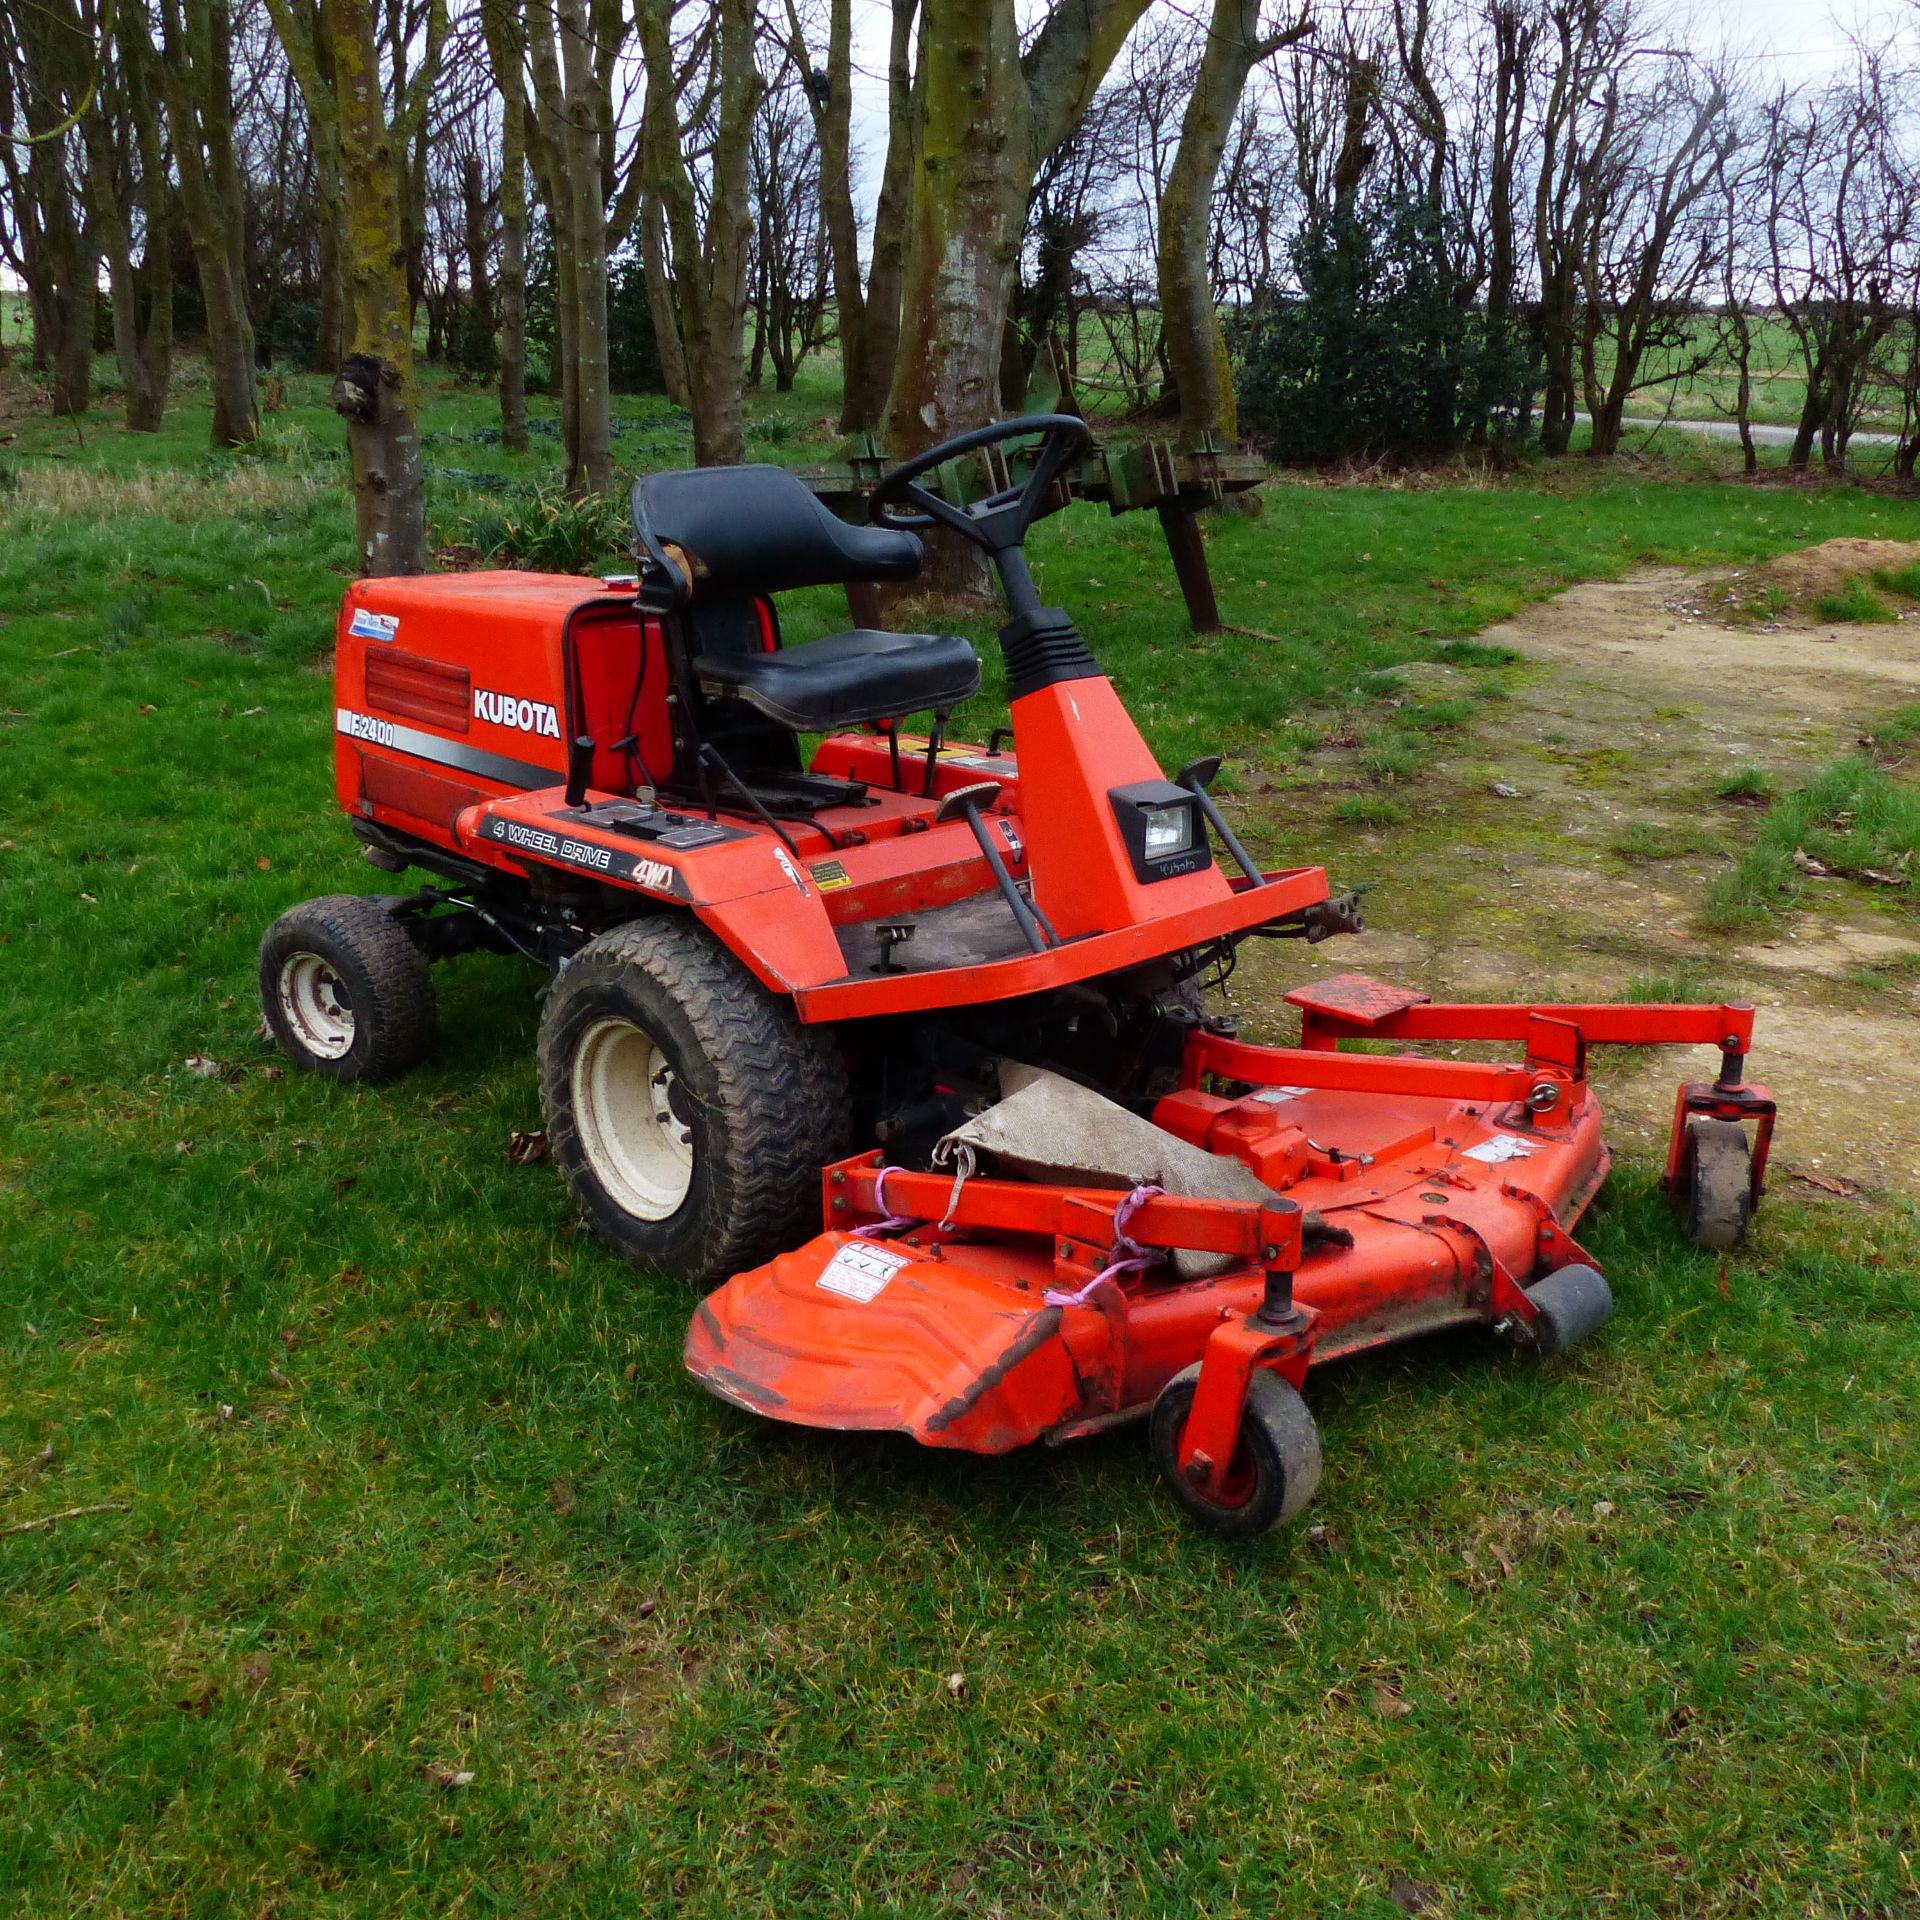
[
  {"x": 860, "y": 1270},
  {"x": 1274, "y": 1095},
  {"x": 1499, "y": 1147},
  {"x": 368, "y": 625}
]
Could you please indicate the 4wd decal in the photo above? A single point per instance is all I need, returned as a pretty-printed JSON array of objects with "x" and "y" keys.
[
  {"x": 585, "y": 856},
  {"x": 509, "y": 710}
]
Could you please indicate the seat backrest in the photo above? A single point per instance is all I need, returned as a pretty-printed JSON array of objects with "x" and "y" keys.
[{"x": 757, "y": 530}]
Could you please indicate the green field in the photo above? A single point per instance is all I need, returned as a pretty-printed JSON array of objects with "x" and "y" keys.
[{"x": 415, "y": 1577}]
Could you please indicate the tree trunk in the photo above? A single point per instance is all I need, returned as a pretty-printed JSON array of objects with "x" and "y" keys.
[
  {"x": 563, "y": 129},
  {"x": 592, "y": 469},
  {"x": 196, "y": 77},
  {"x": 833, "y": 130},
  {"x": 73, "y": 361},
  {"x": 887, "y": 271},
  {"x": 513, "y": 273},
  {"x": 660, "y": 305},
  {"x": 710, "y": 267},
  {"x": 984, "y": 116},
  {"x": 375, "y": 391},
  {"x": 1191, "y": 336},
  {"x": 143, "y": 342},
  {"x": 971, "y": 176},
  {"x": 330, "y": 331},
  {"x": 970, "y": 182}
]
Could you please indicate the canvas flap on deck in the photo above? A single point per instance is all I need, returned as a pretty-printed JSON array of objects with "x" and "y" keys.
[{"x": 1050, "y": 1128}]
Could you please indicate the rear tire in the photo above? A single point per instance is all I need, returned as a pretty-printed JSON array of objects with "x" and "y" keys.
[
  {"x": 1718, "y": 1197},
  {"x": 1276, "y": 1465},
  {"x": 688, "y": 1109},
  {"x": 346, "y": 993}
]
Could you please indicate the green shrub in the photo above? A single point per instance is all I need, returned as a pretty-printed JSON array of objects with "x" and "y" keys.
[
  {"x": 1370, "y": 810},
  {"x": 1855, "y": 601},
  {"x": 1376, "y": 354},
  {"x": 1850, "y": 819},
  {"x": 1658, "y": 840},
  {"x": 549, "y": 531},
  {"x": 1746, "y": 783}
]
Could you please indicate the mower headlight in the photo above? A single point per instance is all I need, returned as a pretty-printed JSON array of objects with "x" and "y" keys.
[
  {"x": 1160, "y": 825},
  {"x": 1168, "y": 830}
]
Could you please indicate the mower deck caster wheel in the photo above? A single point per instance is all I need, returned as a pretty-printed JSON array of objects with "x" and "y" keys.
[
  {"x": 1276, "y": 1465},
  {"x": 346, "y": 993},
  {"x": 1573, "y": 1302},
  {"x": 688, "y": 1109},
  {"x": 1718, "y": 1195}
]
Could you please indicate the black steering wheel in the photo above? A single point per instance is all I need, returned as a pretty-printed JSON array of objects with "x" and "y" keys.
[{"x": 1001, "y": 520}]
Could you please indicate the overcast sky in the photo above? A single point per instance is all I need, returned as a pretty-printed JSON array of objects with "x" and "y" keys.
[{"x": 1792, "y": 39}]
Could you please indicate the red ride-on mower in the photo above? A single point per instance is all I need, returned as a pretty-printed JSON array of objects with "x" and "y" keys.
[{"x": 959, "y": 984}]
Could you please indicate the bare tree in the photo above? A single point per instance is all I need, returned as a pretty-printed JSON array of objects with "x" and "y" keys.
[
  {"x": 1841, "y": 213},
  {"x": 790, "y": 270},
  {"x": 54, "y": 54},
  {"x": 708, "y": 245},
  {"x": 1653, "y": 241}
]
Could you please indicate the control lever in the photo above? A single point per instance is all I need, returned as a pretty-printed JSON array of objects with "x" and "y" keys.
[{"x": 964, "y": 803}]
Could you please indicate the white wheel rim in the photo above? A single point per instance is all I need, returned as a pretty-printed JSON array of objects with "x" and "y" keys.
[
  {"x": 316, "y": 1006},
  {"x": 633, "y": 1121}
]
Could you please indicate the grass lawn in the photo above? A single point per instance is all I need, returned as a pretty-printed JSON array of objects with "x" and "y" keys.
[{"x": 418, "y": 1578}]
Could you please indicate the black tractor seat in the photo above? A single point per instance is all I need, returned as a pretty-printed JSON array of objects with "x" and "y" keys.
[
  {"x": 741, "y": 531},
  {"x": 846, "y": 678}
]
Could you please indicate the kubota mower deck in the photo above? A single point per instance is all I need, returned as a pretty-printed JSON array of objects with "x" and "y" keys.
[{"x": 1401, "y": 1195}]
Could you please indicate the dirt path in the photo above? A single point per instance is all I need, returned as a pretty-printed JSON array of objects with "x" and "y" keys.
[{"x": 1521, "y": 870}]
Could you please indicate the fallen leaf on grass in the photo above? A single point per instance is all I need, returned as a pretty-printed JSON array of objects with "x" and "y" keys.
[
  {"x": 560, "y": 1494},
  {"x": 957, "y": 1685},
  {"x": 206, "y": 1068},
  {"x": 1388, "y": 1703},
  {"x": 1409, "y": 1895},
  {"x": 264, "y": 864},
  {"x": 1811, "y": 864},
  {"x": 256, "y": 1666},
  {"x": 92, "y": 899},
  {"x": 200, "y": 1699},
  {"x": 1829, "y": 1183},
  {"x": 183, "y": 1146},
  {"x": 526, "y": 1148},
  {"x": 450, "y": 1778}
]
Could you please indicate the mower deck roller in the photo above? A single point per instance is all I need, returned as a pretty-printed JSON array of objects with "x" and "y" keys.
[{"x": 766, "y": 963}]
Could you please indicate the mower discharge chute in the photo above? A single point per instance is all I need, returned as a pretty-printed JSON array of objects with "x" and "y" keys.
[{"x": 770, "y": 972}]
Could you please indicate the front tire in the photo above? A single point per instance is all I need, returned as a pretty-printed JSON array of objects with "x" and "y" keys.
[
  {"x": 1275, "y": 1469},
  {"x": 688, "y": 1109},
  {"x": 1717, "y": 1200},
  {"x": 346, "y": 993}
]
